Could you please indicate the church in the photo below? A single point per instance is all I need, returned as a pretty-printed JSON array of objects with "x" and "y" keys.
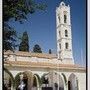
[{"x": 42, "y": 71}]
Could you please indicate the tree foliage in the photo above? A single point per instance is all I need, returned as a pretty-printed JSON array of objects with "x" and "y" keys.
[
  {"x": 37, "y": 49},
  {"x": 50, "y": 51},
  {"x": 9, "y": 38},
  {"x": 24, "y": 45},
  {"x": 17, "y": 10}
]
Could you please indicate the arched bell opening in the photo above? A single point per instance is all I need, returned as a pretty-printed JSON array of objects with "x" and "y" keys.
[
  {"x": 8, "y": 80},
  {"x": 38, "y": 80},
  {"x": 73, "y": 82}
]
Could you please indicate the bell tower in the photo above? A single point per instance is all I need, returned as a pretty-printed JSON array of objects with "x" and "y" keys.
[{"x": 64, "y": 35}]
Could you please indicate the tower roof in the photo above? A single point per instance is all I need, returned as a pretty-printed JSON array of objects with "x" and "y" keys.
[{"x": 62, "y": 4}]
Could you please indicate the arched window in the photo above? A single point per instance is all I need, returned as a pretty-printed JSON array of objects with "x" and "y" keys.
[
  {"x": 59, "y": 18},
  {"x": 65, "y": 18},
  {"x": 66, "y": 45},
  {"x": 73, "y": 82},
  {"x": 59, "y": 33},
  {"x": 60, "y": 46},
  {"x": 66, "y": 33}
]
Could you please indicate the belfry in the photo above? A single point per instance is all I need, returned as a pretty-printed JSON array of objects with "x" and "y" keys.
[{"x": 64, "y": 35}]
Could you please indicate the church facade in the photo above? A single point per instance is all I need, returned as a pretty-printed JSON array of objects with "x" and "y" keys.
[{"x": 41, "y": 71}]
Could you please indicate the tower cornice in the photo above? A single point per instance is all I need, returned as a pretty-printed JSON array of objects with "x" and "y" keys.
[{"x": 65, "y": 25}]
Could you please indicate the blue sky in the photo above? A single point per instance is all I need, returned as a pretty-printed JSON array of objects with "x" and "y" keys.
[{"x": 41, "y": 27}]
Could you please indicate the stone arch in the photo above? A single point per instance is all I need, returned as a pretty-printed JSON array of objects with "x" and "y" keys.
[
  {"x": 58, "y": 81},
  {"x": 17, "y": 80},
  {"x": 45, "y": 80},
  {"x": 73, "y": 82},
  {"x": 10, "y": 74},
  {"x": 36, "y": 82},
  {"x": 65, "y": 79},
  {"x": 65, "y": 18},
  {"x": 26, "y": 77},
  {"x": 38, "y": 79},
  {"x": 8, "y": 79}
]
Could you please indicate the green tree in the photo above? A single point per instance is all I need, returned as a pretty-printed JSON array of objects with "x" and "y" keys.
[
  {"x": 17, "y": 10},
  {"x": 9, "y": 38},
  {"x": 24, "y": 45},
  {"x": 50, "y": 51},
  {"x": 37, "y": 49}
]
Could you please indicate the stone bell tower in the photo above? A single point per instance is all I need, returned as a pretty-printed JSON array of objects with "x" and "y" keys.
[{"x": 64, "y": 35}]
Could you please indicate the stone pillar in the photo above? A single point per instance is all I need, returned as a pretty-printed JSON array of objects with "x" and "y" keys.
[
  {"x": 66, "y": 86},
  {"x": 40, "y": 88},
  {"x": 12, "y": 88},
  {"x": 30, "y": 82}
]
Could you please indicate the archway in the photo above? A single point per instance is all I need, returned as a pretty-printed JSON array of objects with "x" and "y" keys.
[
  {"x": 23, "y": 80},
  {"x": 36, "y": 82},
  {"x": 8, "y": 80},
  {"x": 45, "y": 80},
  {"x": 58, "y": 83},
  {"x": 73, "y": 82}
]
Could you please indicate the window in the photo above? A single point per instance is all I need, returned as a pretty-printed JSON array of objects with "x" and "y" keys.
[
  {"x": 59, "y": 33},
  {"x": 66, "y": 33},
  {"x": 65, "y": 18},
  {"x": 66, "y": 45},
  {"x": 59, "y": 18},
  {"x": 60, "y": 46}
]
